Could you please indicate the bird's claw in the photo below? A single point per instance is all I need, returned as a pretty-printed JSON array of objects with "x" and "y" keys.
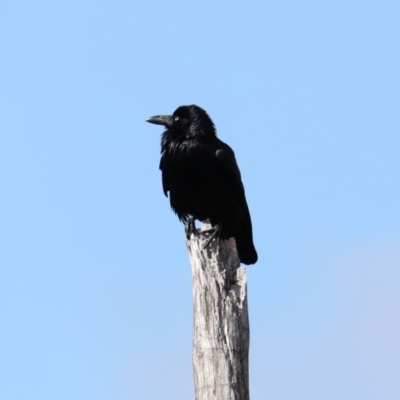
[
  {"x": 215, "y": 232},
  {"x": 190, "y": 227}
]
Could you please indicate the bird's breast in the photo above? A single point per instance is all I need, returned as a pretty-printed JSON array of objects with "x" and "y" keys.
[
  {"x": 196, "y": 181},
  {"x": 191, "y": 167}
]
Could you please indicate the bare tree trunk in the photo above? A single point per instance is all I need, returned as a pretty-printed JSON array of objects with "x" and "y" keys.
[{"x": 221, "y": 324}]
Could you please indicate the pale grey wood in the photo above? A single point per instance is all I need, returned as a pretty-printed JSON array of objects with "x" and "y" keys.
[{"x": 221, "y": 323}]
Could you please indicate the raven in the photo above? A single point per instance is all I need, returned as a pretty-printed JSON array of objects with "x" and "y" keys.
[{"x": 202, "y": 177}]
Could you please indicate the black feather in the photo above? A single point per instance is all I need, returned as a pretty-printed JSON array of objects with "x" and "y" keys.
[{"x": 203, "y": 180}]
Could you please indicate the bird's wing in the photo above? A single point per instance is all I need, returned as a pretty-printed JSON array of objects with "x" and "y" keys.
[
  {"x": 165, "y": 179},
  {"x": 226, "y": 157}
]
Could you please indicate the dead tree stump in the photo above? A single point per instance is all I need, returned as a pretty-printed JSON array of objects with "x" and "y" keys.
[{"x": 221, "y": 323}]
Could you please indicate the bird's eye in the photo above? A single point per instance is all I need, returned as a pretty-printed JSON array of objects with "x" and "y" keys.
[{"x": 176, "y": 118}]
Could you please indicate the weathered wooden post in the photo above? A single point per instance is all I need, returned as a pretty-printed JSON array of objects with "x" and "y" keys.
[{"x": 221, "y": 323}]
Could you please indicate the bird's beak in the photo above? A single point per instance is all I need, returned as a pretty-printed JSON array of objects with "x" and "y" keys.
[{"x": 165, "y": 120}]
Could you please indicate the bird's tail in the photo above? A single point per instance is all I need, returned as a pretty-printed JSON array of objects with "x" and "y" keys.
[
  {"x": 245, "y": 247},
  {"x": 244, "y": 241}
]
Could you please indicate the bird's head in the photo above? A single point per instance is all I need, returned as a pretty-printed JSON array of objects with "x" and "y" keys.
[{"x": 186, "y": 121}]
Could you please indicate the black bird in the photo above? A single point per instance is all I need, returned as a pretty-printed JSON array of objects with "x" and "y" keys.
[{"x": 202, "y": 177}]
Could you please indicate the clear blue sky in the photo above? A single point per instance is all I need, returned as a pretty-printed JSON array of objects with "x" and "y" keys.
[{"x": 95, "y": 285}]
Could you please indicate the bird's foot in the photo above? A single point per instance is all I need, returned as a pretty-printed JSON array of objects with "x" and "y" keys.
[
  {"x": 215, "y": 234},
  {"x": 190, "y": 227}
]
